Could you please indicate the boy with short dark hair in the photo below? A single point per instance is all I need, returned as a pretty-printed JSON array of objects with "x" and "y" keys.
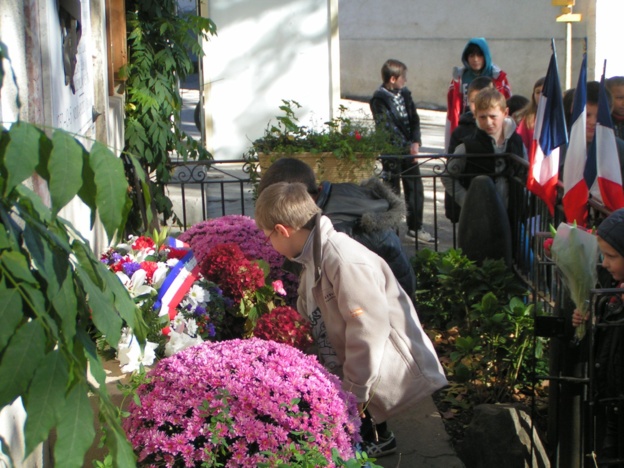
[
  {"x": 383, "y": 355},
  {"x": 394, "y": 110},
  {"x": 496, "y": 134}
]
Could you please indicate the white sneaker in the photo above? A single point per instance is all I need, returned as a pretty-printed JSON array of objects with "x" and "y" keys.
[{"x": 424, "y": 236}]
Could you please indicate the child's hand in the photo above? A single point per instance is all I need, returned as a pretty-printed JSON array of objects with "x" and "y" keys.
[{"x": 578, "y": 318}]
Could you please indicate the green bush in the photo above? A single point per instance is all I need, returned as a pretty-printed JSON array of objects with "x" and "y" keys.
[
  {"x": 484, "y": 331},
  {"x": 449, "y": 284}
]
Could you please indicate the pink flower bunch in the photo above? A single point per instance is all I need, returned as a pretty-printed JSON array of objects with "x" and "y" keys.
[
  {"x": 240, "y": 403},
  {"x": 242, "y": 231},
  {"x": 284, "y": 325}
]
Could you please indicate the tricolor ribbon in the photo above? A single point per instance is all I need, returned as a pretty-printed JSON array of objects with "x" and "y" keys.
[{"x": 177, "y": 283}]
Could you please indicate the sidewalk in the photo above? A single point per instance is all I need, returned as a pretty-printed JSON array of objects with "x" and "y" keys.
[{"x": 422, "y": 441}]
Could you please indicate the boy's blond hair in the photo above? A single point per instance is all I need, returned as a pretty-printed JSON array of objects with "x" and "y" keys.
[
  {"x": 285, "y": 203},
  {"x": 488, "y": 98}
]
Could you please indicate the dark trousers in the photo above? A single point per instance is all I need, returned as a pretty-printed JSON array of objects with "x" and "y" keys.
[
  {"x": 413, "y": 189},
  {"x": 370, "y": 431}
]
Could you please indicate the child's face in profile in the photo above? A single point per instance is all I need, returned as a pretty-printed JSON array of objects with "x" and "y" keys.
[
  {"x": 398, "y": 83},
  {"x": 617, "y": 93},
  {"x": 612, "y": 261},
  {"x": 491, "y": 120},
  {"x": 471, "y": 100}
]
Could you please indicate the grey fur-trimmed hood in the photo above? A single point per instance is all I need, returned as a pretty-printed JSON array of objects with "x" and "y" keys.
[{"x": 393, "y": 217}]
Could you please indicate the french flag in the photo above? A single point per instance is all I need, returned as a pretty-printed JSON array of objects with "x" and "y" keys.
[
  {"x": 575, "y": 189},
  {"x": 602, "y": 171},
  {"x": 550, "y": 133},
  {"x": 178, "y": 281}
]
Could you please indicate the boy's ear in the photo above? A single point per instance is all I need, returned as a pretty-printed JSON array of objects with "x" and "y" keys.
[
  {"x": 506, "y": 111},
  {"x": 282, "y": 230}
]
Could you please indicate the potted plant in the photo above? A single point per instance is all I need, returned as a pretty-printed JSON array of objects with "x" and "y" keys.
[{"x": 342, "y": 150}]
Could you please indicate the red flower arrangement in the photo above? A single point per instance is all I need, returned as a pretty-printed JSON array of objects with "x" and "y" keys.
[
  {"x": 227, "y": 266},
  {"x": 284, "y": 325}
]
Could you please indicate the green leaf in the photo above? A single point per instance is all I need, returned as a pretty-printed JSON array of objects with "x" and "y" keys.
[
  {"x": 86, "y": 260},
  {"x": 10, "y": 314},
  {"x": 20, "y": 360},
  {"x": 45, "y": 399},
  {"x": 45, "y": 149},
  {"x": 87, "y": 191},
  {"x": 32, "y": 204},
  {"x": 5, "y": 243},
  {"x": 16, "y": 265},
  {"x": 112, "y": 188},
  {"x": 103, "y": 312},
  {"x": 65, "y": 168},
  {"x": 75, "y": 432},
  {"x": 66, "y": 305},
  {"x": 52, "y": 265},
  {"x": 22, "y": 154},
  {"x": 122, "y": 450},
  {"x": 95, "y": 363},
  {"x": 123, "y": 302}
]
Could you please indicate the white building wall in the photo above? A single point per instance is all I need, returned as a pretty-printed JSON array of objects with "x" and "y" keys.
[
  {"x": 430, "y": 36},
  {"x": 266, "y": 51}
]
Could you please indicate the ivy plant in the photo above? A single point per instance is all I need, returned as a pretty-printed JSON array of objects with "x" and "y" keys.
[
  {"x": 160, "y": 46},
  {"x": 55, "y": 294}
]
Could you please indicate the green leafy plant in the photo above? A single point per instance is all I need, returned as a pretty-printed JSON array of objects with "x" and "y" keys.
[
  {"x": 449, "y": 283},
  {"x": 160, "y": 44},
  {"x": 482, "y": 327},
  {"x": 342, "y": 136},
  {"x": 55, "y": 294},
  {"x": 348, "y": 140}
]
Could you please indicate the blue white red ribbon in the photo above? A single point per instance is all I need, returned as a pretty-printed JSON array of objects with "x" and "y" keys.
[{"x": 178, "y": 281}]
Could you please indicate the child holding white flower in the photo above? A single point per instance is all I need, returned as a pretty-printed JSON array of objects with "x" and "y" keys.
[{"x": 609, "y": 341}]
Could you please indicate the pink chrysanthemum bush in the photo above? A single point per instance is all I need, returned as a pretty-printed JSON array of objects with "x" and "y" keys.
[
  {"x": 242, "y": 403},
  {"x": 240, "y": 230}
]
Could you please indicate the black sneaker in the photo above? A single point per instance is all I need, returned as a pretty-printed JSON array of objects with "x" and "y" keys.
[{"x": 381, "y": 447}]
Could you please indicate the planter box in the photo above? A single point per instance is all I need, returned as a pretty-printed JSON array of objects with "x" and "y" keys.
[{"x": 327, "y": 166}]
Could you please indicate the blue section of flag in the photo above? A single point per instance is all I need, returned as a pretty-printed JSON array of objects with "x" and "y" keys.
[
  {"x": 554, "y": 132},
  {"x": 604, "y": 119},
  {"x": 580, "y": 93}
]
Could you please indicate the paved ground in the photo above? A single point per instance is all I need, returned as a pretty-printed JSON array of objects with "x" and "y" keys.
[{"x": 422, "y": 440}]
